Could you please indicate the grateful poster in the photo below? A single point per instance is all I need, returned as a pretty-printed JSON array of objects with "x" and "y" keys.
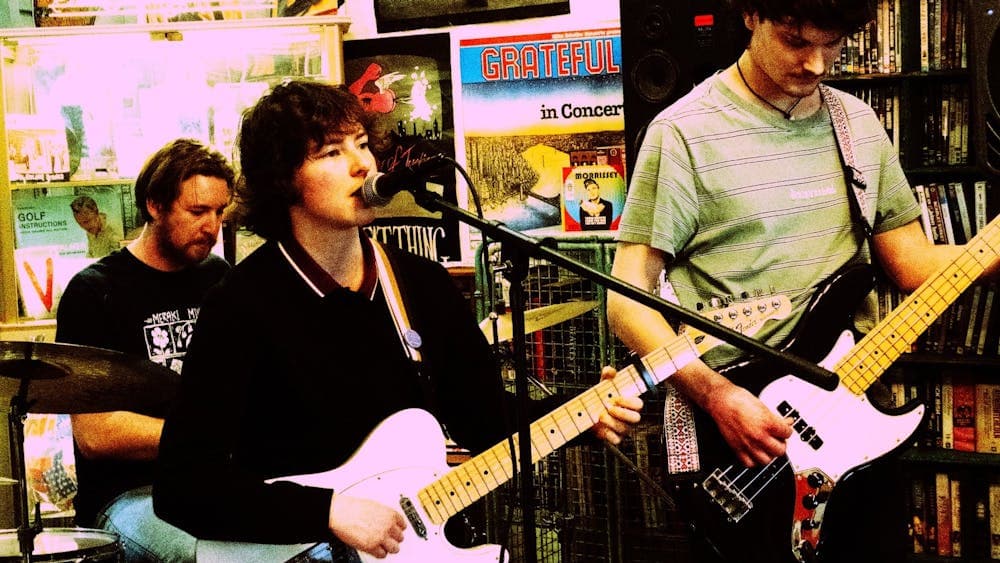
[{"x": 533, "y": 105}]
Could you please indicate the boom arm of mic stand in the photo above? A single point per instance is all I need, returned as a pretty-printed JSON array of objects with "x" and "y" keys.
[{"x": 535, "y": 248}]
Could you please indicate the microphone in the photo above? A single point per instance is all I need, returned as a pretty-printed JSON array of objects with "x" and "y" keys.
[{"x": 379, "y": 188}]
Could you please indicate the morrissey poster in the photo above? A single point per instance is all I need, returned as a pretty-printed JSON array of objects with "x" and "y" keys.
[
  {"x": 405, "y": 83},
  {"x": 400, "y": 15},
  {"x": 533, "y": 105}
]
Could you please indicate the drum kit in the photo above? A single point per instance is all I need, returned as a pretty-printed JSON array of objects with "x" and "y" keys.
[
  {"x": 534, "y": 319},
  {"x": 39, "y": 377}
]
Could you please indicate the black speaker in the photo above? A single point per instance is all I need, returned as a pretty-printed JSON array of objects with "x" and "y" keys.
[
  {"x": 984, "y": 47},
  {"x": 667, "y": 47}
]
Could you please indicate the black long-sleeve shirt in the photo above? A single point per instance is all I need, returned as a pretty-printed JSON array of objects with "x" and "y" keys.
[{"x": 281, "y": 381}]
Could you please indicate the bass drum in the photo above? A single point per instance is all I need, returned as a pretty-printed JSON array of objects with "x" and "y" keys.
[{"x": 76, "y": 545}]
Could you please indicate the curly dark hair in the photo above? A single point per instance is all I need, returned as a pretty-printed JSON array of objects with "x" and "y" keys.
[
  {"x": 275, "y": 137},
  {"x": 161, "y": 176},
  {"x": 847, "y": 16}
]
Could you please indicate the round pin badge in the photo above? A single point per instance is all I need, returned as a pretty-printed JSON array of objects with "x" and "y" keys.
[{"x": 413, "y": 338}]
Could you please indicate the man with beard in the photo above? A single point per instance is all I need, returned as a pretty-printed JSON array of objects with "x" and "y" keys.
[{"x": 144, "y": 299}]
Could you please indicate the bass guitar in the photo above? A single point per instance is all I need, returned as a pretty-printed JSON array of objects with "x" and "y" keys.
[
  {"x": 402, "y": 462},
  {"x": 774, "y": 513}
]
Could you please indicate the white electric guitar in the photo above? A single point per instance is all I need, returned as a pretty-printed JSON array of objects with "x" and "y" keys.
[{"x": 402, "y": 462}]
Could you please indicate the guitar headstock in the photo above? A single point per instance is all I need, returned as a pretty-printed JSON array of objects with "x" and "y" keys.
[{"x": 745, "y": 316}]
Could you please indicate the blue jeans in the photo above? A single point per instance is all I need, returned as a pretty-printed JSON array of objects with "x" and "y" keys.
[{"x": 144, "y": 536}]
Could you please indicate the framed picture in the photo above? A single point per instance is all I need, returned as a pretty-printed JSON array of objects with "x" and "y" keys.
[{"x": 400, "y": 15}]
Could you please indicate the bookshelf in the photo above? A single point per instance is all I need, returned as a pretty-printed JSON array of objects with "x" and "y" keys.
[
  {"x": 84, "y": 106},
  {"x": 917, "y": 70}
]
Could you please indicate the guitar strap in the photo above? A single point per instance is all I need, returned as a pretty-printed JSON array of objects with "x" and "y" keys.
[
  {"x": 409, "y": 338},
  {"x": 680, "y": 435},
  {"x": 855, "y": 179}
]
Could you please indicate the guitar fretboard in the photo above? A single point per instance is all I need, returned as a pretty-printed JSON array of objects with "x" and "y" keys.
[
  {"x": 469, "y": 482},
  {"x": 896, "y": 334}
]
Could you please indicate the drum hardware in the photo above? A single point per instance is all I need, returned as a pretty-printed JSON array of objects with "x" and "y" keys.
[
  {"x": 534, "y": 319},
  {"x": 68, "y": 379}
]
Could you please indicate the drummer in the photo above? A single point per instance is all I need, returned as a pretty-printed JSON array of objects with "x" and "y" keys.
[{"x": 144, "y": 300}]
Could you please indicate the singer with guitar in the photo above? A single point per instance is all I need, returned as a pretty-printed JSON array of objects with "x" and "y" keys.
[
  {"x": 315, "y": 339},
  {"x": 741, "y": 187}
]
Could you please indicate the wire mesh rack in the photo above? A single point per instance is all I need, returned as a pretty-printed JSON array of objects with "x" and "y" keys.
[{"x": 589, "y": 505}]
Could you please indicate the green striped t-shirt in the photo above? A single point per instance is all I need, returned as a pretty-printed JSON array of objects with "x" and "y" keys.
[{"x": 746, "y": 203}]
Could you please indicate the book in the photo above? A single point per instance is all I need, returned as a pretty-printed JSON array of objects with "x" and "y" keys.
[
  {"x": 934, "y": 211},
  {"x": 947, "y": 414},
  {"x": 956, "y": 517},
  {"x": 960, "y": 209},
  {"x": 942, "y": 492},
  {"x": 988, "y": 417},
  {"x": 985, "y": 328},
  {"x": 925, "y": 60},
  {"x": 964, "y": 413},
  {"x": 994, "y": 519},
  {"x": 918, "y": 515},
  {"x": 925, "y": 212},
  {"x": 972, "y": 322},
  {"x": 979, "y": 204},
  {"x": 947, "y": 218}
]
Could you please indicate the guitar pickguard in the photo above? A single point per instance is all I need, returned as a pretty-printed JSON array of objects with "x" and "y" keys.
[{"x": 775, "y": 513}]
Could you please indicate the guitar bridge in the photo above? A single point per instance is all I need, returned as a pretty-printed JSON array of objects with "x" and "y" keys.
[{"x": 726, "y": 496}]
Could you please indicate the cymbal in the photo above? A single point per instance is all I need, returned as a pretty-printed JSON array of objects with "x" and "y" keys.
[
  {"x": 536, "y": 319},
  {"x": 72, "y": 379}
]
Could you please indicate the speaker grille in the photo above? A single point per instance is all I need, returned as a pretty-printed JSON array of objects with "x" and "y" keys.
[{"x": 654, "y": 76}]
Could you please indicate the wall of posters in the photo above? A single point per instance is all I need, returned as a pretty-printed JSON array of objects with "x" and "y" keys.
[{"x": 533, "y": 105}]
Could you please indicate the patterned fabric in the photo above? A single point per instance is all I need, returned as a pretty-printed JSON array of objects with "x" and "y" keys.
[
  {"x": 681, "y": 433},
  {"x": 60, "y": 483}
]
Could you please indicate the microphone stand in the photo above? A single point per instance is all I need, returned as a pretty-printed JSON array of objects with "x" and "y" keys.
[{"x": 520, "y": 248}]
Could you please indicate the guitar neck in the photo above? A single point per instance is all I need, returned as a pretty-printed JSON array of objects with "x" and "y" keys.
[
  {"x": 473, "y": 479},
  {"x": 897, "y": 333}
]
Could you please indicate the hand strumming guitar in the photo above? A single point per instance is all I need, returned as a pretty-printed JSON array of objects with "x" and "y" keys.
[{"x": 366, "y": 525}]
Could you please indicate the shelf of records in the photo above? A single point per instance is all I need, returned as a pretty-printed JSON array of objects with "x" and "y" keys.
[
  {"x": 954, "y": 213},
  {"x": 962, "y": 419},
  {"x": 951, "y": 472},
  {"x": 943, "y": 107},
  {"x": 908, "y": 36},
  {"x": 60, "y": 228},
  {"x": 953, "y": 515}
]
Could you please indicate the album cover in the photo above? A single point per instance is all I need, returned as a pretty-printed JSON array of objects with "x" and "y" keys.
[{"x": 593, "y": 197}]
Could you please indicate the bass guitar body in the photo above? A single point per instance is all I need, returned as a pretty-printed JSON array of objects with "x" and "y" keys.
[{"x": 775, "y": 513}]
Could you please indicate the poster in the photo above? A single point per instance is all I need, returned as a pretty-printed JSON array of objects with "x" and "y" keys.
[
  {"x": 400, "y": 15},
  {"x": 534, "y": 105},
  {"x": 51, "y": 245},
  {"x": 593, "y": 197},
  {"x": 405, "y": 82},
  {"x": 45, "y": 217}
]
